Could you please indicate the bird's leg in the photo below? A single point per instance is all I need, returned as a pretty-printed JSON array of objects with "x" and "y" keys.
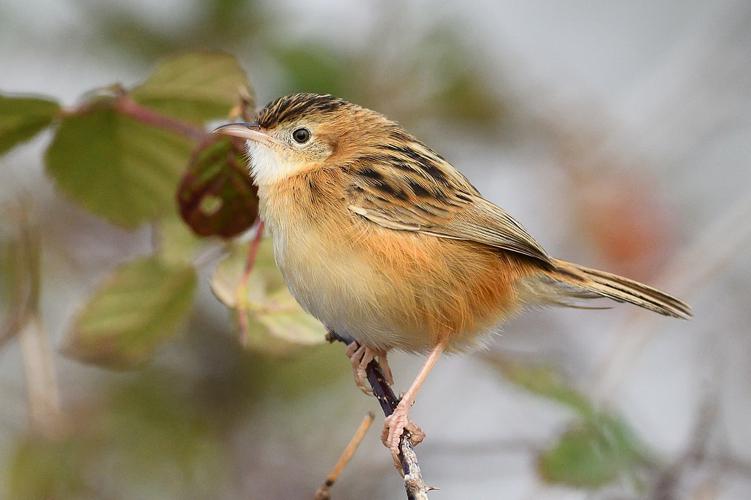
[{"x": 394, "y": 424}]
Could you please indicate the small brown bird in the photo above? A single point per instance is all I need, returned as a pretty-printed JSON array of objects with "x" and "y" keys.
[{"x": 386, "y": 242}]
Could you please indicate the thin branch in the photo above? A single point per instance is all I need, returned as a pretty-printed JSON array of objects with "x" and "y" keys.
[
  {"x": 410, "y": 468},
  {"x": 241, "y": 291},
  {"x": 41, "y": 379},
  {"x": 324, "y": 492},
  {"x": 36, "y": 353}
]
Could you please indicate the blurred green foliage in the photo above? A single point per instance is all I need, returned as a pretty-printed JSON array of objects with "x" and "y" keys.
[
  {"x": 21, "y": 118},
  {"x": 593, "y": 453},
  {"x": 596, "y": 449},
  {"x": 204, "y": 24},
  {"x": 149, "y": 439},
  {"x": 139, "y": 306}
]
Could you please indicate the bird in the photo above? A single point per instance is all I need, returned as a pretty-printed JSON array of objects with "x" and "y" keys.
[{"x": 388, "y": 244}]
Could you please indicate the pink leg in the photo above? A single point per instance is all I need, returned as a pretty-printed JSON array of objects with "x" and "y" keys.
[{"x": 395, "y": 423}]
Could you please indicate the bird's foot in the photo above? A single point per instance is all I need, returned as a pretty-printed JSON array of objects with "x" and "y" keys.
[
  {"x": 394, "y": 426},
  {"x": 360, "y": 356}
]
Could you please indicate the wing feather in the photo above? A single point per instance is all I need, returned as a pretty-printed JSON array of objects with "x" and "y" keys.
[{"x": 426, "y": 194}]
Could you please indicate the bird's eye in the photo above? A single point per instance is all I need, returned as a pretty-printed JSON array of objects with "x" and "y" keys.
[{"x": 301, "y": 135}]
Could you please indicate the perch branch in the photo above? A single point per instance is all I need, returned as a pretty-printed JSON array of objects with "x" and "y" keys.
[
  {"x": 413, "y": 483},
  {"x": 324, "y": 492}
]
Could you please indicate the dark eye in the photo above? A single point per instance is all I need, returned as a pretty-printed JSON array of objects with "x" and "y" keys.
[{"x": 301, "y": 135}]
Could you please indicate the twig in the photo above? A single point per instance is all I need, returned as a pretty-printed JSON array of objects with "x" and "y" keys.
[
  {"x": 41, "y": 379},
  {"x": 324, "y": 492},
  {"x": 242, "y": 287},
  {"x": 413, "y": 483}
]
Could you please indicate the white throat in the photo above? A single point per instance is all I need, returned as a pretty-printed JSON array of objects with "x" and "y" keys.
[{"x": 267, "y": 166}]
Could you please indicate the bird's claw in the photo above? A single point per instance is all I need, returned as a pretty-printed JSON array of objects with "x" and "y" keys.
[
  {"x": 360, "y": 357},
  {"x": 394, "y": 426}
]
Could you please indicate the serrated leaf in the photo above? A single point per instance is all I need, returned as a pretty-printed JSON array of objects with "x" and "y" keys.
[
  {"x": 137, "y": 308},
  {"x": 277, "y": 323},
  {"x": 117, "y": 167},
  {"x": 21, "y": 118},
  {"x": 216, "y": 196},
  {"x": 591, "y": 454},
  {"x": 196, "y": 86}
]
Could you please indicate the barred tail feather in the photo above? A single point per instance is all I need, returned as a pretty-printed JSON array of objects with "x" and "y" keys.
[{"x": 582, "y": 282}]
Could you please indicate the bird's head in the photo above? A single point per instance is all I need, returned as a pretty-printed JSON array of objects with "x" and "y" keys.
[{"x": 301, "y": 132}]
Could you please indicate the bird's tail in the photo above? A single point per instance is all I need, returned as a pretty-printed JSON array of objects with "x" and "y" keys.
[{"x": 579, "y": 282}]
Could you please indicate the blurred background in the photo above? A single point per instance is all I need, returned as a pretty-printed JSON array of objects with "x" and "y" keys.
[{"x": 619, "y": 133}]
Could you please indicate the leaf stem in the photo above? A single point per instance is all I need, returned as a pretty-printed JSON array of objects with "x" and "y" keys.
[
  {"x": 241, "y": 291},
  {"x": 127, "y": 106}
]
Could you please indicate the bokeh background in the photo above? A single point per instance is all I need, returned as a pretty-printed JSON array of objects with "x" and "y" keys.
[{"x": 618, "y": 132}]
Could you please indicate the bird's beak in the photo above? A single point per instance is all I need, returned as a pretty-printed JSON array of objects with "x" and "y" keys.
[{"x": 250, "y": 131}]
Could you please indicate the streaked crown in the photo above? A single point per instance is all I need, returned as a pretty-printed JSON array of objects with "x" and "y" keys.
[{"x": 292, "y": 107}]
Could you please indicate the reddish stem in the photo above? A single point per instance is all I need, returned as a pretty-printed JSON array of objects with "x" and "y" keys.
[
  {"x": 242, "y": 287},
  {"x": 127, "y": 106}
]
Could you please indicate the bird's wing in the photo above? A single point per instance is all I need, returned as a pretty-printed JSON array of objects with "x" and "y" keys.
[{"x": 432, "y": 197}]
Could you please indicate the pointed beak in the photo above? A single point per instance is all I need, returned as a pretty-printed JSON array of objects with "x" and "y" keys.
[{"x": 250, "y": 131}]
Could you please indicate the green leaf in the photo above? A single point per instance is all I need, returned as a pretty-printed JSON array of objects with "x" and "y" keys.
[
  {"x": 177, "y": 243},
  {"x": 196, "y": 86},
  {"x": 216, "y": 196},
  {"x": 281, "y": 317},
  {"x": 21, "y": 118},
  {"x": 117, "y": 167},
  {"x": 592, "y": 454},
  {"x": 135, "y": 310},
  {"x": 276, "y": 321}
]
